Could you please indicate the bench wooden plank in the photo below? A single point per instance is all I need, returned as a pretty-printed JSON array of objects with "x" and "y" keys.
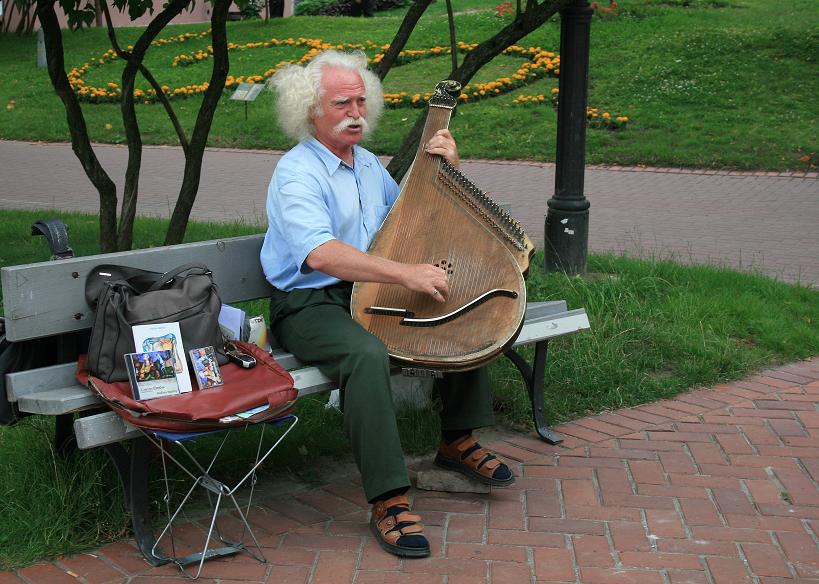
[
  {"x": 55, "y": 402},
  {"x": 49, "y": 298},
  {"x": 102, "y": 429},
  {"x": 53, "y": 390},
  {"x": 22, "y": 383},
  {"x": 550, "y": 327},
  {"x": 108, "y": 427}
]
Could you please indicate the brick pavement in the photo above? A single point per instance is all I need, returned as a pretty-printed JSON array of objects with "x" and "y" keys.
[
  {"x": 716, "y": 486},
  {"x": 762, "y": 222}
]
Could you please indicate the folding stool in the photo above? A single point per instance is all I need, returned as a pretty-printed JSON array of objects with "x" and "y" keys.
[{"x": 201, "y": 476}]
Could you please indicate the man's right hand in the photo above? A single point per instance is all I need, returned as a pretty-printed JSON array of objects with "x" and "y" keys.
[
  {"x": 345, "y": 262},
  {"x": 426, "y": 279}
]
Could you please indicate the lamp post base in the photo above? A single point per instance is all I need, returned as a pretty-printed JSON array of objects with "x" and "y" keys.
[{"x": 567, "y": 240}]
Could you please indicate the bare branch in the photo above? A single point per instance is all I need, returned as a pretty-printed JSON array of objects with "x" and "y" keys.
[
  {"x": 533, "y": 18},
  {"x": 401, "y": 37},
  {"x": 133, "y": 136},
  {"x": 453, "y": 45},
  {"x": 199, "y": 137}
]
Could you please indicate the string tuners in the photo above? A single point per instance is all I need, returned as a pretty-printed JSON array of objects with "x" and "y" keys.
[
  {"x": 495, "y": 215},
  {"x": 446, "y": 93}
]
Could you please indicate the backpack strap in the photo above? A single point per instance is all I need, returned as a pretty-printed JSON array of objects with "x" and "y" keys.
[{"x": 56, "y": 232}]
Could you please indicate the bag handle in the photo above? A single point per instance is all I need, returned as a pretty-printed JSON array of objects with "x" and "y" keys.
[
  {"x": 171, "y": 274},
  {"x": 102, "y": 275}
]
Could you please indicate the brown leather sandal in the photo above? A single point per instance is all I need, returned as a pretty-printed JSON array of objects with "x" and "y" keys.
[
  {"x": 467, "y": 457},
  {"x": 397, "y": 530}
]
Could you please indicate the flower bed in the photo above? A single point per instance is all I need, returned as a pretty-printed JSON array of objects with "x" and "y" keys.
[
  {"x": 539, "y": 64},
  {"x": 595, "y": 118}
]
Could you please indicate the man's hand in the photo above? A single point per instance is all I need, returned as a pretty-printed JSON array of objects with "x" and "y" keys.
[
  {"x": 345, "y": 262},
  {"x": 426, "y": 279},
  {"x": 443, "y": 144}
]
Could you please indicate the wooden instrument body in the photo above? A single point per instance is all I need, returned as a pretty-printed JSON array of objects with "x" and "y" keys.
[{"x": 441, "y": 218}]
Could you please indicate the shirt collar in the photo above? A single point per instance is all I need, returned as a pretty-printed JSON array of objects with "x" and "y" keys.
[{"x": 330, "y": 160}]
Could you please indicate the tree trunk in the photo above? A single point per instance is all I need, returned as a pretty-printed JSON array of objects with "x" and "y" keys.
[
  {"x": 77, "y": 128},
  {"x": 204, "y": 120},
  {"x": 526, "y": 22}
]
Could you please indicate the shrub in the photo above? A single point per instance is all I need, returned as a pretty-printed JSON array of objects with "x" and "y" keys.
[
  {"x": 323, "y": 7},
  {"x": 340, "y": 7}
]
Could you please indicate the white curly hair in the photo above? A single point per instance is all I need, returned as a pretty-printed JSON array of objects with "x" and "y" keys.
[{"x": 298, "y": 90}]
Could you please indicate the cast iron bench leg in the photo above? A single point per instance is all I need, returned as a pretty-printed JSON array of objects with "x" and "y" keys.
[
  {"x": 533, "y": 376},
  {"x": 133, "y": 473}
]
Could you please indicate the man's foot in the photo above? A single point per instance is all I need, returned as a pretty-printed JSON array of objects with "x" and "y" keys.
[
  {"x": 397, "y": 530},
  {"x": 467, "y": 457}
]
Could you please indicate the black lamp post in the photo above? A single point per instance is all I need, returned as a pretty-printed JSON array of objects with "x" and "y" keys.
[{"x": 567, "y": 219}]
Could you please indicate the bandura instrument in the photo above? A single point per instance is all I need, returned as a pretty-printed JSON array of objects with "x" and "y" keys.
[{"x": 441, "y": 218}]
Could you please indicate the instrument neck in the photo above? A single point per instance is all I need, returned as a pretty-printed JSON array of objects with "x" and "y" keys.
[{"x": 437, "y": 119}]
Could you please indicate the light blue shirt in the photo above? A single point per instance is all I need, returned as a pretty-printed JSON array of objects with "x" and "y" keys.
[{"x": 314, "y": 197}]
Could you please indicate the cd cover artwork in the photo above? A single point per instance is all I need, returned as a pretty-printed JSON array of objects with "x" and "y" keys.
[
  {"x": 205, "y": 368},
  {"x": 152, "y": 374}
]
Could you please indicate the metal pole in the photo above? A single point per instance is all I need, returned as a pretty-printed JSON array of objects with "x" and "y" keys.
[{"x": 567, "y": 218}]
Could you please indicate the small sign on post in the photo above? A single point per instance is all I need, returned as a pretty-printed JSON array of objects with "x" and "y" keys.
[{"x": 247, "y": 92}]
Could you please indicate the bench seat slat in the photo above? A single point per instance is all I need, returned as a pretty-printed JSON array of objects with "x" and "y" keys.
[
  {"x": 102, "y": 429},
  {"x": 53, "y": 391},
  {"x": 550, "y": 327},
  {"x": 55, "y": 402},
  {"x": 24, "y": 383}
]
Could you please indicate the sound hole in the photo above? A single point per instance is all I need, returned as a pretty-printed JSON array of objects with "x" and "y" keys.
[{"x": 445, "y": 265}]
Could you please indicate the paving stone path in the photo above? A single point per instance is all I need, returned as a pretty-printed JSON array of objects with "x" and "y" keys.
[
  {"x": 758, "y": 221},
  {"x": 716, "y": 486}
]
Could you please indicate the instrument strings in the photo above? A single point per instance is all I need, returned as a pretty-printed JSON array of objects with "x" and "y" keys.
[{"x": 437, "y": 220}]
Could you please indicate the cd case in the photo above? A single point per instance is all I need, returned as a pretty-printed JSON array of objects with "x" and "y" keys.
[
  {"x": 165, "y": 336},
  {"x": 152, "y": 374},
  {"x": 205, "y": 368}
]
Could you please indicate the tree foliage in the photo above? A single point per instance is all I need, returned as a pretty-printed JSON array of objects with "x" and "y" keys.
[{"x": 23, "y": 12}]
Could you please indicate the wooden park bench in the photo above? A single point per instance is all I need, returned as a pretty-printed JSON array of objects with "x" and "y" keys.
[{"x": 47, "y": 299}]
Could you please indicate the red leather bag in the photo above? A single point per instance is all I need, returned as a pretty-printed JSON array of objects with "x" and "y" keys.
[{"x": 201, "y": 410}]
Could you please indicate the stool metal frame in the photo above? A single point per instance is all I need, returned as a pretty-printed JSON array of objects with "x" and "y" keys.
[{"x": 213, "y": 487}]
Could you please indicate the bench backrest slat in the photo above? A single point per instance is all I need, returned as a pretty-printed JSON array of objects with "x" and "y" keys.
[{"x": 48, "y": 298}]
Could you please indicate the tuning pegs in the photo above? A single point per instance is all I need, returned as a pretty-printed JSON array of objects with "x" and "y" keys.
[{"x": 450, "y": 87}]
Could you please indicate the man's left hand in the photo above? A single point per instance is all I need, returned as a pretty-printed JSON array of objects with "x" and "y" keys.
[{"x": 443, "y": 144}]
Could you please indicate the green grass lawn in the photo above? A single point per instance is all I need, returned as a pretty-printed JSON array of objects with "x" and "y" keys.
[
  {"x": 727, "y": 84},
  {"x": 721, "y": 83},
  {"x": 657, "y": 328}
]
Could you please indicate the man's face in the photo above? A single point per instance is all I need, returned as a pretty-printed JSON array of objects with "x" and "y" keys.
[{"x": 344, "y": 110}]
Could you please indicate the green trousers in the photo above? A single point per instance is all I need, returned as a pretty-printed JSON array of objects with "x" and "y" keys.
[{"x": 315, "y": 325}]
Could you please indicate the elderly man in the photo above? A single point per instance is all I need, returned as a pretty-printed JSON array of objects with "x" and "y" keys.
[{"x": 326, "y": 200}]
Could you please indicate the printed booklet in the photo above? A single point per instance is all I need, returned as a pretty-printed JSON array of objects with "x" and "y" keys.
[
  {"x": 152, "y": 374},
  {"x": 165, "y": 336},
  {"x": 205, "y": 368}
]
